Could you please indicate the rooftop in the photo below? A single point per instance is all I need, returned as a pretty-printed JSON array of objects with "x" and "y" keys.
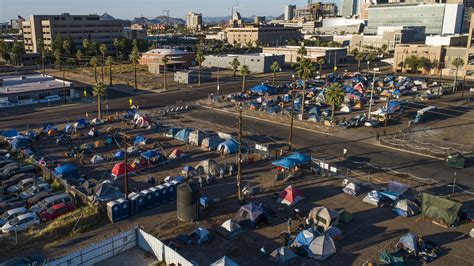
[
  {"x": 167, "y": 52},
  {"x": 30, "y": 83}
]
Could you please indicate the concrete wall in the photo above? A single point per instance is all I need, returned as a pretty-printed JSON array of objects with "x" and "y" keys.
[{"x": 256, "y": 63}]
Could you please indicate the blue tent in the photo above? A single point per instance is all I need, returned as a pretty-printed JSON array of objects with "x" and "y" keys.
[
  {"x": 67, "y": 171},
  {"x": 286, "y": 163},
  {"x": 150, "y": 154},
  {"x": 300, "y": 157},
  {"x": 172, "y": 131},
  {"x": 31, "y": 134},
  {"x": 262, "y": 89},
  {"x": 82, "y": 121},
  {"x": 20, "y": 143},
  {"x": 139, "y": 140},
  {"x": 389, "y": 194},
  {"x": 304, "y": 238},
  {"x": 119, "y": 155},
  {"x": 409, "y": 242},
  {"x": 183, "y": 135},
  {"x": 9, "y": 133},
  {"x": 68, "y": 128},
  {"x": 50, "y": 127},
  {"x": 229, "y": 146}
]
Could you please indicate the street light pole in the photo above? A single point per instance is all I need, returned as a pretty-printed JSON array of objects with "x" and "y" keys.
[
  {"x": 290, "y": 138},
  {"x": 239, "y": 160}
]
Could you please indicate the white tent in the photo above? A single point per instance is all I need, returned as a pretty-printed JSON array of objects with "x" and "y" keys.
[
  {"x": 321, "y": 248},
  {"x": 324, "y": 217},
  {"x": 283, "y": 255},
  {"x": 231, "y": 226},
  {"x": 97, "y": 159},
  {"x": 224, "y": 261},
  {"x": 352, "y": 189}
]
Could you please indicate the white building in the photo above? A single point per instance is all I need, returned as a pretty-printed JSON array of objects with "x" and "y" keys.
[
  {"x": 447, "y": 40},
  {"x": 290, "y": 12},
  {"x": 194, "y": 21}
]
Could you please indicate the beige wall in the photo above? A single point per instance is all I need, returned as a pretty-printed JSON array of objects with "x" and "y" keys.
[
  {"x": 433, "y": 53},
  {"x": 264, "y": 35}
]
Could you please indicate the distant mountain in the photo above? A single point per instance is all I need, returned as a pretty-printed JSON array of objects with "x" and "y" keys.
[
  {"x": 106, "y": 16},
  {"x": 158, "y": 20}
]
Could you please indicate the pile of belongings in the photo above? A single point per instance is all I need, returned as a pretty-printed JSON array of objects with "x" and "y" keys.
[{"x": 413, "y": 245}]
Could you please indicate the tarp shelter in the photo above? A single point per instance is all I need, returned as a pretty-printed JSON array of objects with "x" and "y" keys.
[
  {"x": 231, "y": 226},
  {"x": 183, "y": 135},
  {"x": 324, "y": 217},
  {"x": 176, "y": 153},
  {"x": 321, "y": 248},
  {"x": 96, "y": 121},
  {"x": 406, "y": 208},
  {"x": 19, "y": 143},
  {"x": 49, "y": 127},
  {"x": 196, "y": 137},
  {"x": 286, "y": 163},
  {"x": 208, "y": 167},
  {"x": 153, "y": 157},
  {"x": 67, "y": 171},
  {"x": 304, "y": 238},
  {"x": 229, "y": 146},
  {"x": 107, "y": 191},
  {"x": 9, "y": 133},
  {"x": 334, "y": 232},
  {"x": 119, "y": 155},
  {"x": 262, "y": 89},
  {"x": 441, "y": 210},
  {"x": 409, "y": 242},
  {"x": 211, "y": 142},
  {"x": 251, "y": 215},
  {"x": 300, "y": 157},
  {"x": 290, "y": 196},
  {"x": 390, "y": 259},
  {"x": 352, "y": 189},
  {"x": 315, "y": 111},
  {"x": 201, "y": 235},
  {"x": 224, "y": 261},
  {"x": 282, "y": 255},
  {"x": 139, "y": 140},
  {"x": 99, "y": 144},
  {"x": 398, "y": 187},
  {"x": 82, "y": 122},
  {"x": 373, "y": 198},
  {"x": 119, "y": 169},
  {"x": 68, "y": 128},
  {"x": 97, "y": 159},
  {"x": 142, "y": 121}
]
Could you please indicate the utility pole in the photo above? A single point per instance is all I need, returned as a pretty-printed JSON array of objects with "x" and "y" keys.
[
  {"x": 64, "y": 86},
  {"x": 125, "y": 138},
  {"x": 456, "y": 75},
  {"x": 218, "y": 81},
  {"x": 372, "y": 92},
  {"x": 239, "y": 160},
  {"x": 290, "y": 138}
]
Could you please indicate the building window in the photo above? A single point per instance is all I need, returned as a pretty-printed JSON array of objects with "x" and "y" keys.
[
  {"x": 23, "y": 97},
  {"x": 44, "y": 95},
  {"x": 64, "y": 93}
]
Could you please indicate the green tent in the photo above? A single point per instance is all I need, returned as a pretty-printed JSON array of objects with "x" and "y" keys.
[
  {"x": 441, "y": 210},
  {"x": 391, "y": 259},
  {"x": 345, "y": 216}
]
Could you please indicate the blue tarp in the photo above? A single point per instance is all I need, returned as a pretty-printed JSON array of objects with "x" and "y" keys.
[
  {"x": 304, "y": 238},
  {"x": 315, "y": 111},
  {"x": 286, "y": 163},
  {"x": 68, "y": 128},
  {"x": 139, "y": 140},
  {"x": 389, "y": 194},
  {"x": 19, "y": 143},
  {"x": 300, "y": 157},
  {"x": 119, "y": 155},
  {"x": 9, "y": 133},
  {"x": 67, "y": 171},
  {"x": 183, "y": 134},
  {"x": 151, "y": 154},
  {"x": 50, "y": 127},
  {"x": 82, "y": 121},
  {"x": 230, "y": 146},
  {"x": 263, "y": 88},
  {"x": 172, "y": 131}
]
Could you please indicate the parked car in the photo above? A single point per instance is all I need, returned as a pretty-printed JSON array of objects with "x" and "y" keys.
[
  {"x": 4, "y": 162},
  {"x": 33, "y": 190},
  {"x": 13, "y": 180},
  {"x": 23, "y": 185},
  {"x": 20, "y": 223},
  {"x": 38, "y": 197},
  {"x": 9, "y": 198},
  {"x": 64, "y": 140},
  {"x": 5, "y": 206},
  {"x": 8, "y": 215},
  {"x": 50, "y": 201},
  {"x": 55, "y": 211},
  {"x": 7, "y": 173},
  {"x": 30, "y": 260}
]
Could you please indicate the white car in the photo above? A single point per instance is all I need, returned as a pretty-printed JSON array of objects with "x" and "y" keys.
[
  {"x": 9, "y": 215},
  {"x": 30, "y": 192},
  {"x": 20, "y": 223},
  {"x": 22, "y": 185}
]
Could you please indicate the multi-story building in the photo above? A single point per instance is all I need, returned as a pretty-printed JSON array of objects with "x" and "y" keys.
[
  {"x": 289, "y": 12},
  {"x": 194, "y": 21},
  {"x": 469, "y": 57},
  {"x": 257, "y": 63},
  {"x": 331, "y": 55},
  {"x": 436, "y": 18},
  {"x": 349, "y": 8},
  {"x": 306, "y": 27},
  {"x": 75, "y": 27},
  {"x": 135, "y": 32},
  {"x": 264, "y": 35},
  {"x": 315, "y": 11},
  {"x": 364, "y": 7}
]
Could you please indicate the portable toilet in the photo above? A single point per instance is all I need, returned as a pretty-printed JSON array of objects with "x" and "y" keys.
[
  {"x": 149, "y": 199},
  {"x": 114, "y": 211},
  {"x": 156, "y": 195},
  {"x": 137, "y": 203},
  {"x": 124, "y": 208},
  {"x": 171, "y": 191},
  {"x": 164, "y": 197}
]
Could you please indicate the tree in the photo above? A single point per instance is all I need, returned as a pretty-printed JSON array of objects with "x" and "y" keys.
[
  {"x": 165, "y": 61},
  {"x": 79, "y": 56},
  {"x": 116, "y": 45},
  {"x": 321, "y": 62},
  {"x": 423, "y": 63},
  {"x": 99, "y": 90},
  {"x": 334, "y": 96},
  {"x": 57, "y": 57},
  {"x": 370, "y": 58},
  {"x": 244, "y": 72},
  {"x": 275, "y": 67},
  {"x": 18, "y": 50},
  {"x": 304, "y": 71},
  {"x": 199, "y": 60},
  {"x": 57, "y": 43},
  {"x": 67, "y": 45},
  {"x": 384, "y": 48},
  {"x": 302, "y": 52},
  {"x": 42, "y": 51},
  {"x": 93, "y": 62},
  {"x": 103, "y": 50},
  {"x": 134, "y": 57},
  {"x": 359, "y": 57},
  {"x": 457, "y": 62},
  {"x": 109, "y": 62},
  {"x": 235, "y": 64},
  {"x": 86, "y": 44},
  {"x": 412, "y": 63}
]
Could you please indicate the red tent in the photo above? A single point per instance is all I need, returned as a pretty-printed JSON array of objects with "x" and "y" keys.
[
  {"x": 290, "y": 196},
  {"x": 176, "y": 153},
  {"x": 119, "y": 169}
]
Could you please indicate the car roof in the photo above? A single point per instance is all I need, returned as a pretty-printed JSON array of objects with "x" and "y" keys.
[
  {"x": 29, "y": 179},
  {"x": 16, "y": 210},
  {"x": 55, "y": 197},
  {"x": 26, "y": 215},
  {"x": 58, "y": 206}
]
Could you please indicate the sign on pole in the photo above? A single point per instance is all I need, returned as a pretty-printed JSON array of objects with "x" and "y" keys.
[{"x": 130, "y": 101}]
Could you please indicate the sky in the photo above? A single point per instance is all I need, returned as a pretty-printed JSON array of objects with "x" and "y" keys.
[{"x": 127, "y": 9}]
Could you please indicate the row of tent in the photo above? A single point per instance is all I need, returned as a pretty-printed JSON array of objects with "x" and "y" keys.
[
  {"x": 292, "y": 160},
  {"x": 217, "y": 141}
]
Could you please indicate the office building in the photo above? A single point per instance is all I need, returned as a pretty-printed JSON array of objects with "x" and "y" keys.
[
  {"x": 257, "y": 63},
  {"x": 364, "y": 7},
  {"x": 330, "y": 54},
  {"x": 436, "y": 18},
  {"x": 289, "y": 12},
  {"x": 469, "y": 57},
  {"x": 263, "y": 35},
  {"x": 135, "y": 32},
  {"x": 194, "y": 21},
  {"x": 316, "y": 11},
  {"x": 178, "y": 59},
  {"x": 306, "y": 27},
  {"x": 76, "y": 27},
  {"x": 447, "y": 40},
  {"x": 349, "y": 8}
]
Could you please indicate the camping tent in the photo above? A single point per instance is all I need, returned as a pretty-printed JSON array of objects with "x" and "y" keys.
[
  {"x": 334, "y": 232},
  {"x": 97, "y": 159},
  {"x": 153, "y": 156},
  {"x": 49, "y": 127},
  {"x": 231, "y": 226},
  {"x": 68, "y": 128},
  {"x": 324, "y": 217},
  {"x": 408, "y": 242},
  {"x": 208, "y": 167},
  {"x": 282, "y": 255},
  {"x": 441, "y": 210},
  {"x": 229, "y": 146},
  {"x": 397, "y": 187},
  {"x": 290, "y": 196},
  {"x": 373, "y": 198},
  {"x": 176, "y": 153},
  {"x": 67, "y": 171},
  {"x": 183, "y": 135},
  {"x": 251, "y": 215},
  {"x": 201, "y": 235},
  {"x": 119, "y": 155},
  {"x": 142, "y": 121},
  {"x": 321, "y": 248},
  {"x": 139, "y": 140},
  {"x": 352, "y": 189},
  {"x": 98, "y": 144},
  {"x": 406, "y": 208},
  {"x": 224, "y": 261},
  {"x": 286, "y": 163},
  {"x": 300, "y": 157},
  {"x": 119, "y": 169},
  {"x": 172, "y": 132},
  {"x": 188, "y": 171},
  {"x": 107, "y": 191},
  {"x": 304, "y": 238},
  {"x": 262, "y": 89},
  {"x": 211, "y": 142},
  {"x": 196, "y": 137}
]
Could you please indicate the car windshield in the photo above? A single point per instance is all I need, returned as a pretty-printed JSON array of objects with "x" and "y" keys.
[
  {"x": 14, "y": 221},
  {"x": 31, "y": 190},
  {"x": 5, "y": 215}
]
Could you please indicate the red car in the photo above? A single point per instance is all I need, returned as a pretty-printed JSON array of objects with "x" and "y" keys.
[{"x": 55, "y": 211}]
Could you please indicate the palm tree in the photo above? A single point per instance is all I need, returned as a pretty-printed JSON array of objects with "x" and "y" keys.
[
  {"x": 359, "y": 57},
  {"x": 134, "y": 57},
  {"x": 457, "y": 62},
  {"x": 199, "y": 60},
  {"x": 103, "y": 50},
  {"x": 86, "y": 44},
  {"x": 57, "y": 57},
  {"x": 79, "y": 56},
  {"x": 99, "y": 90},
  {"x": 109, "y": 63},
  {"x": 93, "y": 62},
  {"x": 165, "y": 61},
  {"x": 321, "y": 62},
  {"x": 43, "y": 54},
  {"x": 116, "y": 45},
  {"x": 234, "y": 64},
  {"x": 275, "y": 67},
  {"x": 67, "y": 46},
  {"x": 334, "y": 96},
  {"x": 302, "y": 52},
  {"x": 412, "y": 63},
  {"x": 244, "y": 71},
  {"x": 304, "y": 71}
]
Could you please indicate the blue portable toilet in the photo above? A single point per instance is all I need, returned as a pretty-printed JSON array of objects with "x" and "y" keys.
[
  {"x": 156, "y": 195},
  {"x": 137, "y": 203},
  {"x": 149, "y": 199},
  {"x": 124, "y": 208},
  {"x": 171, "y": 190},
  {"x": 164, "y": 195},
  {"x": 114, "y": 211}
]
